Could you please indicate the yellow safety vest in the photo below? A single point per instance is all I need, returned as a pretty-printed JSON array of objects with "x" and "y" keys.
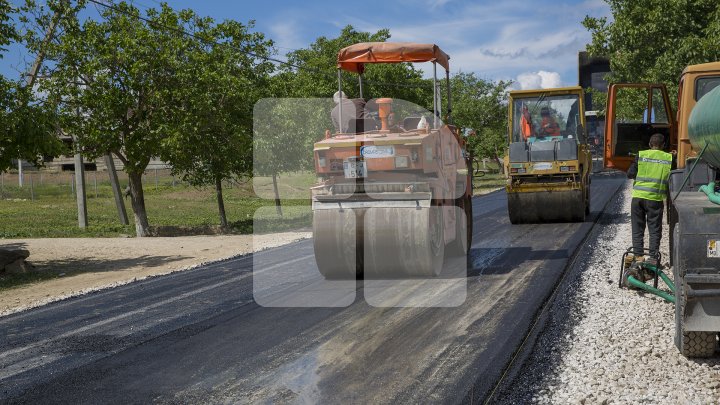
[{"x": 653, "y": 172}]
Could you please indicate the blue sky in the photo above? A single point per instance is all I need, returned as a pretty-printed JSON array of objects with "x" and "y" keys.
[{"x": 534, "y": 43}]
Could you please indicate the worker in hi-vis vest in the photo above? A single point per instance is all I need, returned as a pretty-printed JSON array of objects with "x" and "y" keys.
[{"x": 651, "y": 171}]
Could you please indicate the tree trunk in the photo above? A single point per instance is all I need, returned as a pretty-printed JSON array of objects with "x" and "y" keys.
[
  {"x": 501, "y": 165},
  {"x": 221, "y": 203},
  {"x": 137, "y": 198},
  {"x": 277, "y": 195}
]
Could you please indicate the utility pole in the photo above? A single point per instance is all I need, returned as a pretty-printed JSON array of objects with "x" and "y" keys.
[
  {"x": 80, "y": 183},
  {"x": 115, "y": 184},
  {"x": 79, "y": 164},
  {"x": 80, "y": 190}
]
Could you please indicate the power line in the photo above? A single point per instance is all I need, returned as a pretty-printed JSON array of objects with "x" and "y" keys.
[
  {"x": 205, "y": 40},
  {"x": 328, "y": 74},
  {"x": 252, "y": 54}
]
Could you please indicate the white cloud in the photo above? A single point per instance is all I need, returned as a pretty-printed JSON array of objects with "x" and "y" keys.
[
  {"x": 494, "y": 39},
  {"x": 286, "y": 35},
  {"x": 502, "y": 39},
  {"x": 538, "y": 80},
  {"x": 437, "y": 3}
]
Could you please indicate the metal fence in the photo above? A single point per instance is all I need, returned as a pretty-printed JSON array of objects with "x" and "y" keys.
[{"x": 37, "y": 184}]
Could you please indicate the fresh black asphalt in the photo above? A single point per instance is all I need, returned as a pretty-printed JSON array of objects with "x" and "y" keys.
[{"x": 200, "y": 336}]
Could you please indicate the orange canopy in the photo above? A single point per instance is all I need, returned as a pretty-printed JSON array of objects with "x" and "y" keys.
[{"x": 354, "y": 57}]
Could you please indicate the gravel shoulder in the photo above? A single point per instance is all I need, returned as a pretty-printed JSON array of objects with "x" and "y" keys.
[
  {"x": 601, "y": 344},
  {"x": 107, "y": 262}
]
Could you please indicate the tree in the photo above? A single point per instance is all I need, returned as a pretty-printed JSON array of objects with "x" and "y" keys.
[
  {"x": 223, "y": 77},
  {"x": 317, "y": 75},
  {"x": 7, "y": 29},
  {"x": 654, "y": 40},
  {"x": 481, "y": 106},
  {"x": 26, "y": 125},
  {"x": 284, "y": 132},
  {"x": 114, "y": 80}
]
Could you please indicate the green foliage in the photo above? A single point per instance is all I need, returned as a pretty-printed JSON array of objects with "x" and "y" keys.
[
  {"x": 132, "y": 84},
  {"x": 26, "y": 126},
  {"x": 7, "y": 29},
  {"x": 112, "y": 79},
  {"x": 654, "y": 40},
  {"x": 285, "y": 131},
  {"x": 140, "y": 87},
  {"x": 481, "y": 106},
  {"x": 212, "y": 133},
  {"x": 318, "y": 77},
  {"x": 27, "y": 129}
]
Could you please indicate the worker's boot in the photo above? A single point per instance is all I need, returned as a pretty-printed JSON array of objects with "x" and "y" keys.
[{"x": 629, "y": 260}]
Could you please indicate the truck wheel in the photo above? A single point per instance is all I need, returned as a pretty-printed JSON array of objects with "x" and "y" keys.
[
  {"x": 691, "y": 344},
  {"x": 698, "y": 344}
]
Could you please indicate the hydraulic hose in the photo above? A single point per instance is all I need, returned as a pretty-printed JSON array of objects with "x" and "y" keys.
[
  {"x": 709, "y": 190},
  {"x": 667, "y": 281}
]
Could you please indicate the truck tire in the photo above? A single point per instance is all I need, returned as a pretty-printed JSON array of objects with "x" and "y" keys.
[
  {"x": 698, "y": 344},
  {"x": 692, "y": 344}
]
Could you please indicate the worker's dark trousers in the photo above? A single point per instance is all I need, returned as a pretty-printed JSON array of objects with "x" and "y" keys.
[{"x": 648, "y": 212}]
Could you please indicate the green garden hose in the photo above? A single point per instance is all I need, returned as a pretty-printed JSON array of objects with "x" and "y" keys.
[{"x": 662, "y": 294}]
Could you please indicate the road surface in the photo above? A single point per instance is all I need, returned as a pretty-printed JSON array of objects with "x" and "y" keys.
[{"x": 200, "y": 336}]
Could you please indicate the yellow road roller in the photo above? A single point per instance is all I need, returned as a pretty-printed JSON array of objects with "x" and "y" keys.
[{"x": 548, "y": 162}]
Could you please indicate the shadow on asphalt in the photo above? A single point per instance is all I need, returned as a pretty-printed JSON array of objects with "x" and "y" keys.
[{"x": 77, "y": 266}]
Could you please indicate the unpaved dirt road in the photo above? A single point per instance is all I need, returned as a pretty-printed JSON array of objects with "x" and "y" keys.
[{"x": 109, "y": 262}]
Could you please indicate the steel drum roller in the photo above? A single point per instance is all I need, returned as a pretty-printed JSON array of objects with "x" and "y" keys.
[
  {"x": 335, "y": 235},
  {"x": 546, "y": 207},
  {"x": 403, "y": 242}
]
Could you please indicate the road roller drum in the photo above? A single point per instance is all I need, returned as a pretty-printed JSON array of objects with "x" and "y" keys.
[
  {"x": 546, "y": 207},
  {"x": 399, "y": 242},
  {"x": 335, "y": 236}
]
